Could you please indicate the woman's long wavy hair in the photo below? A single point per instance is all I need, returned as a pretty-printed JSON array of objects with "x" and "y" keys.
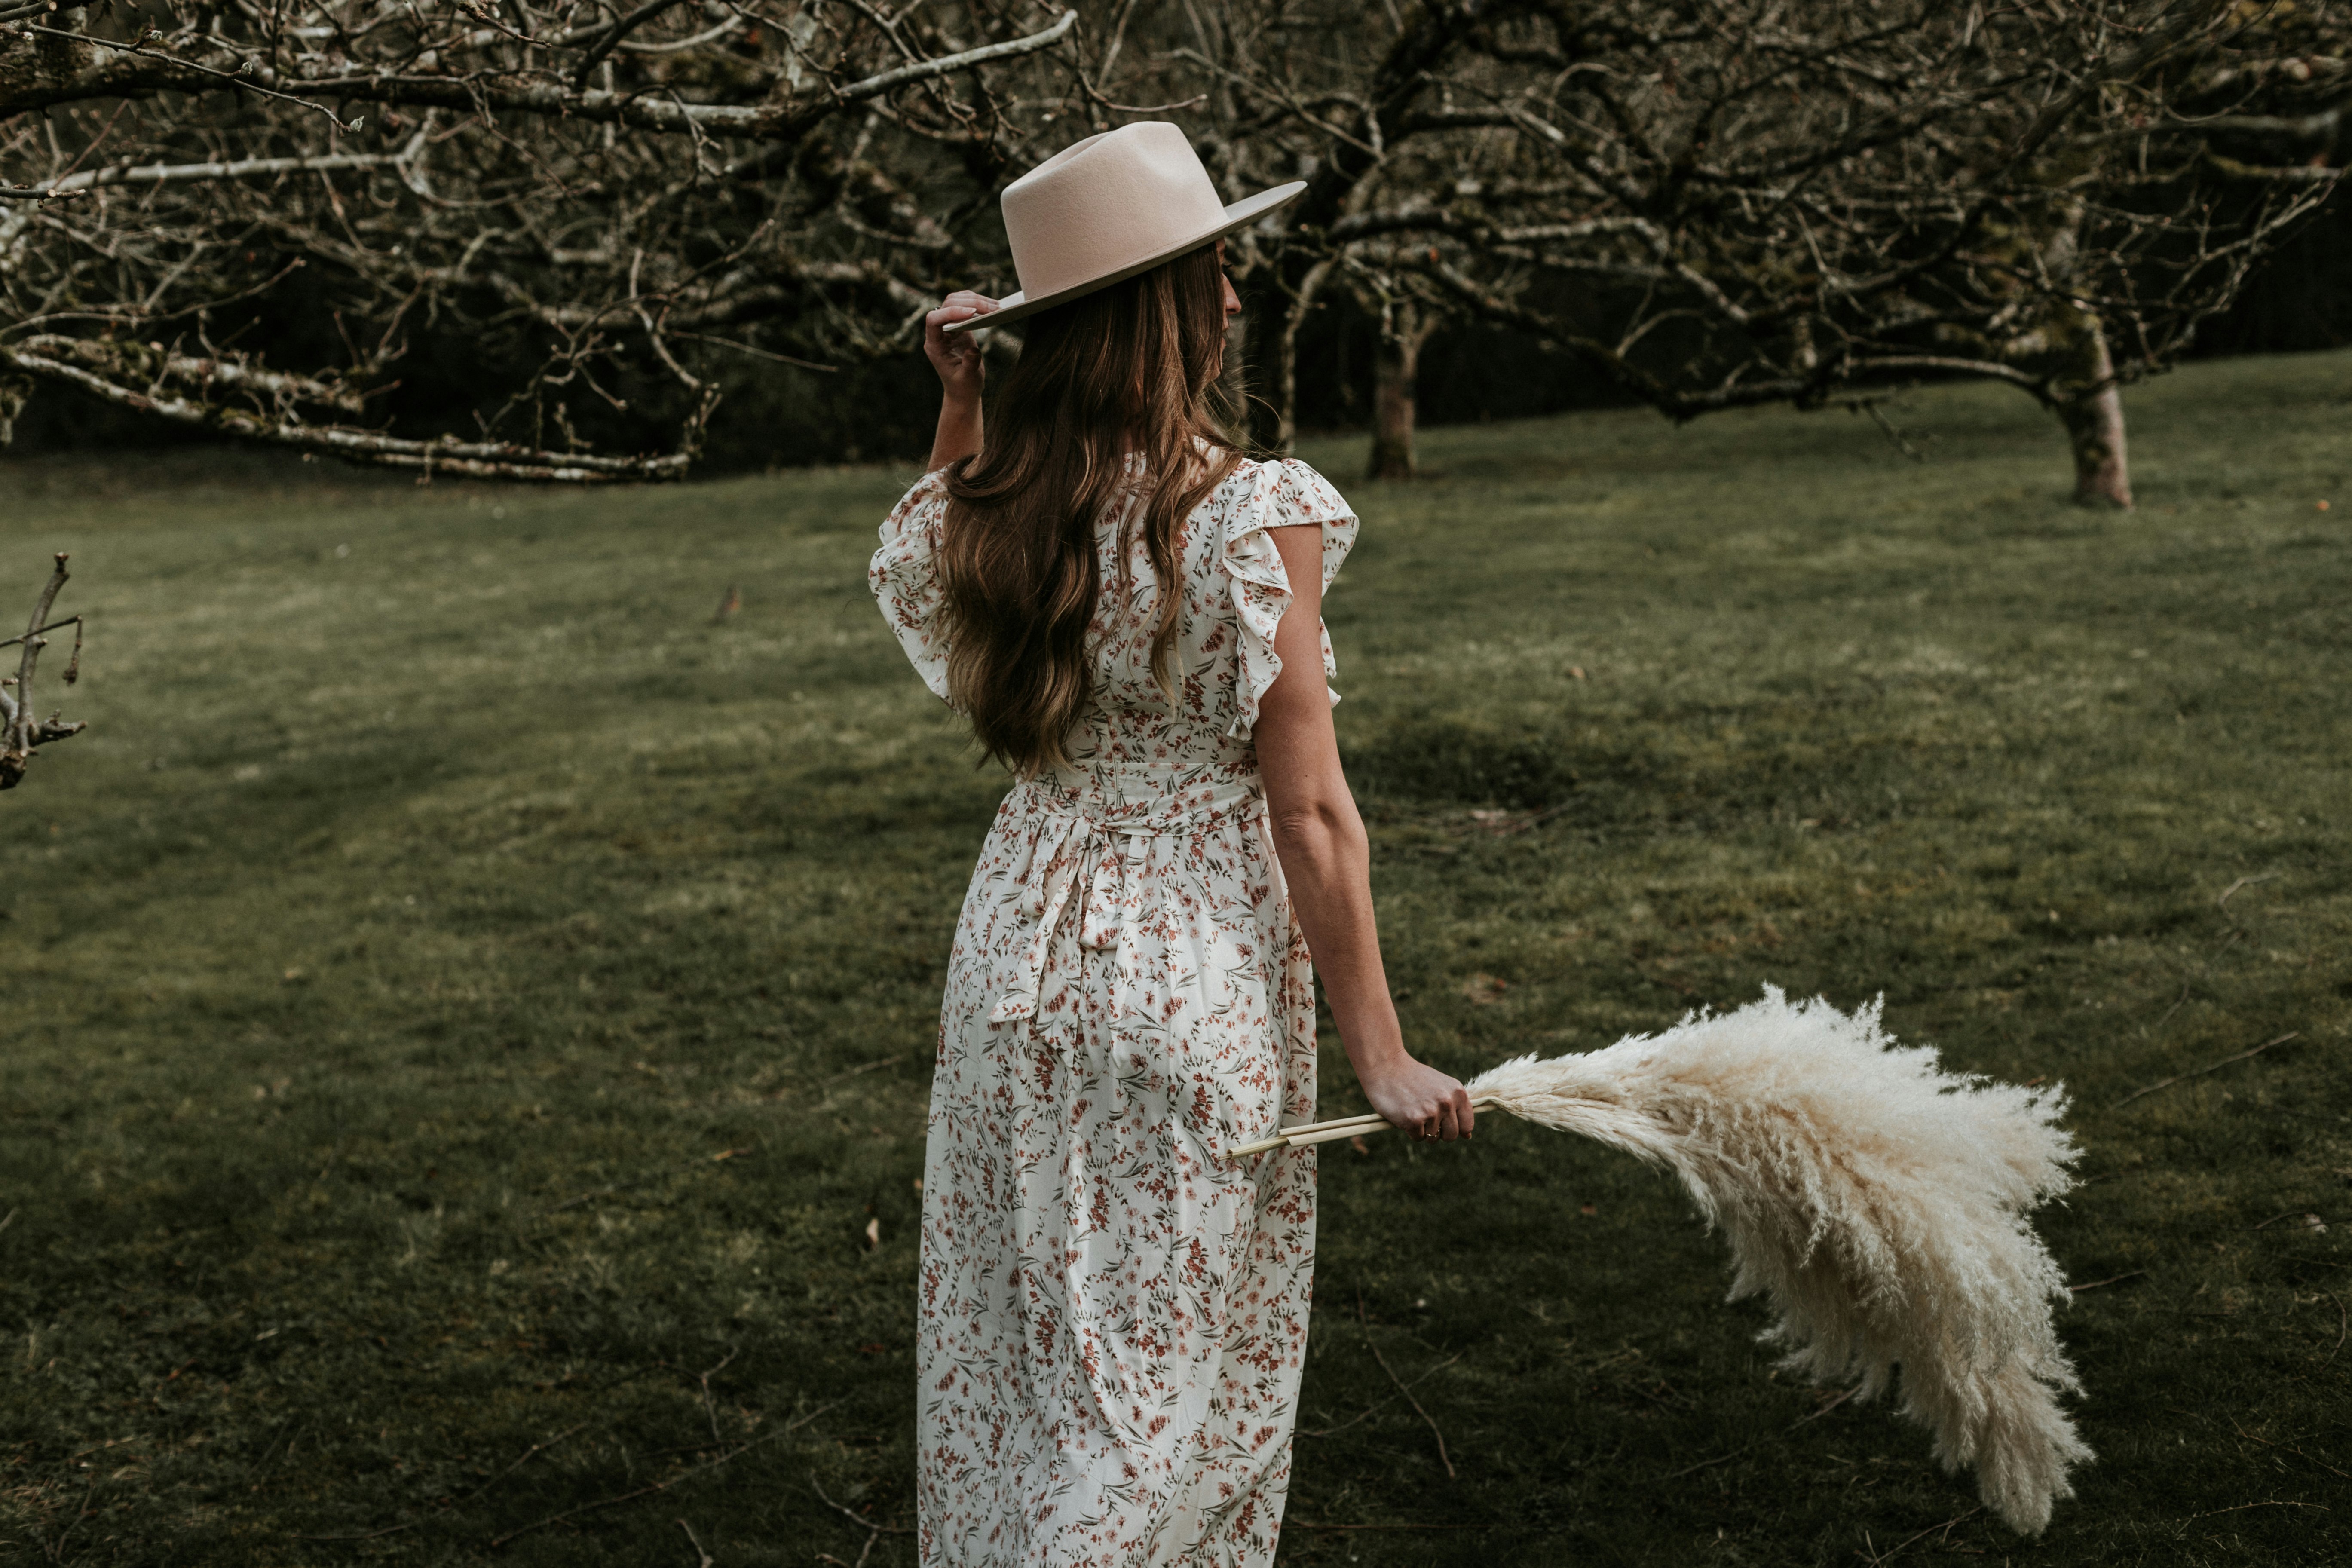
[{"x": 1131, "y": 369}]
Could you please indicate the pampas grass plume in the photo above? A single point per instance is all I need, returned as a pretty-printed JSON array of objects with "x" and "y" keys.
[{"x": 1879, "y": 1202}]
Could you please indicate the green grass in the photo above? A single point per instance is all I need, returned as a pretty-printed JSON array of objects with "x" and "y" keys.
[{"x": 439, "y": 892}]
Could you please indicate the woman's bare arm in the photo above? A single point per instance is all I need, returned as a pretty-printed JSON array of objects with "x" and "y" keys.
[
  {"x": 963, "y": 376},
  {"x": 1326, "y": 860}
]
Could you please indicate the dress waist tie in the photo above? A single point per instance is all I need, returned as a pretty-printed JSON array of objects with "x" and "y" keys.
[{"x": 1086, "y": 842}]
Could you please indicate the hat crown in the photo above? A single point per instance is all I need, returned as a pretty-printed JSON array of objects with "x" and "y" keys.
[{"x": 1100, "y": 208}]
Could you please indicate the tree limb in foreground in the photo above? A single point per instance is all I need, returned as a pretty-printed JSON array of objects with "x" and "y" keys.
[{"x": 21, "y": 733}]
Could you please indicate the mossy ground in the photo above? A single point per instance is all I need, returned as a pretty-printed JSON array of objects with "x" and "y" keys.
[{"x": 465, "y": 1005}]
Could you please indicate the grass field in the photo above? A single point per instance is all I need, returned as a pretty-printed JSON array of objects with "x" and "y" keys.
[{"x": 467, "y": 1008}]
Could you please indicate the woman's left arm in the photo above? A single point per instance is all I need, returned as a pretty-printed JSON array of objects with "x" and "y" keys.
[{"x": 1327, "y": 861}]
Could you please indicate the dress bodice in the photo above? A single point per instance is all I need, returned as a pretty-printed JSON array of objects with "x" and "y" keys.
[{"x": 1137, "y": 752}]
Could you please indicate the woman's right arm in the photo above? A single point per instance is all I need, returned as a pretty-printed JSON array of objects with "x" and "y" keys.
[
  {"x": 1326, "y": 860},
  {"x": 961, "y": 376}
]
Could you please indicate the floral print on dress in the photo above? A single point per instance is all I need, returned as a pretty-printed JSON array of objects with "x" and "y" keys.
[{"x": 1112, "y": 1314}]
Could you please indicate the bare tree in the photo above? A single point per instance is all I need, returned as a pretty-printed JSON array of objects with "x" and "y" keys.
[
  {"x": 241, "y": 214},
  {"x": 606, "y": 205},
  {"x": 1723, "y": 203}
]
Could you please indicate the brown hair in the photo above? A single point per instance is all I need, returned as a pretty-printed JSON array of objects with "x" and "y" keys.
[{"x": 1128, "y": 368}]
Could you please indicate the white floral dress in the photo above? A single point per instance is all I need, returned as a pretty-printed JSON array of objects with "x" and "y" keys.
[{"x": 1113, "y": 1313}]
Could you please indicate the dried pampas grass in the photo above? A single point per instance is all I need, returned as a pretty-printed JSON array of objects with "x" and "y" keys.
[{"x": 1878, "y": 1200}]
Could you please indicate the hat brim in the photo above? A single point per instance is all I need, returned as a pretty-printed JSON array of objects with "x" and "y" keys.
[{"x": 1240, "y": 215}]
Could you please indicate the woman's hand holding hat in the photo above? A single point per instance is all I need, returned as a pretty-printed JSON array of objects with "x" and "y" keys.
[
  {"x": 961, "y": 374},
  {"x": 957, "y": 359}
]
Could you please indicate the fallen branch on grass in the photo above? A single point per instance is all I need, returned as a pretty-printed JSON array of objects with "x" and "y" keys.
[
  {"x": 2223, "y": 902},
  {"x": 1823, "y": 1408},
  {"x": 20, "y": 732},
  {"x": 1443, "y": 1458},
  {"x": 528, "y": 1454},
  {"x": 874, "y": 1531},
  {"x": 2286, "y": 1449},
  {"x": 1704, "y": 1465},
  {"x": 2209, "y": 1066},
  {"x": 619, "y": 1187},
  {"x": 2110, "y": 1279},
  {"x": 658, "y": 1487},
  {"x": 1378, "y": 1405},
  {"x": 1878, "y": 1557}
]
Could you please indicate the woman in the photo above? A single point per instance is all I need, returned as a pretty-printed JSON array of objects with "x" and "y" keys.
[{"x": 1113, "y": 1311}]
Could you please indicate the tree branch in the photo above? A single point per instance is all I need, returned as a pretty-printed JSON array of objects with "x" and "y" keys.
[
  {"x": 613, "y": 35},
  {"x": 25, "y": 734},
  {"x": 481, "y": 459},
  {"x": 139, "y": 73}
]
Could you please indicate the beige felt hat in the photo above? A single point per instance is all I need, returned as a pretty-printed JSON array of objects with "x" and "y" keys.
[{"x": 1109, "y": 207}]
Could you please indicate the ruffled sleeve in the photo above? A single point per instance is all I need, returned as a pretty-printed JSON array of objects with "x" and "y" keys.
[
  {"x": 1287, "y": 494},
  {"x": 906, "y": 579}
]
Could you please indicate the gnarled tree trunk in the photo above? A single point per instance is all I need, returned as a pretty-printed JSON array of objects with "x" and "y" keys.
[
  {"x": 1396, "y": 363},
  {"x": 2094, "y": 417},
  {"x": 2075, "y": 379}
]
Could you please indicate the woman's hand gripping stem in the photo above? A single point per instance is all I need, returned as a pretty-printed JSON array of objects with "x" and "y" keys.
[{"x": 1327, "y": 859}]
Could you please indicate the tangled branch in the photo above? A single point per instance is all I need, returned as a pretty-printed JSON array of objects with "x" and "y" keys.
[
  {"x": 21, "y": 733},
  {"x": 613, "y": 215},
  {"x": 540, "y": 189}
]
